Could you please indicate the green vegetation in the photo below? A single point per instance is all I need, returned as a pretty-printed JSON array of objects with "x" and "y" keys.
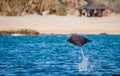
[
  {"x": 104, "y": 33},
  {"x": 22, "y": 31},
  {"x": 12, "y": 7},
  {"x": 58, "y": 7},
  {"x": 25, "y": 7},
  {"x": 60, "y": 10}
]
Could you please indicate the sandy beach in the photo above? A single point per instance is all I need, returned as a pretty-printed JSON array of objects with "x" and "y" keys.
[{"x": 62, "y": 24}]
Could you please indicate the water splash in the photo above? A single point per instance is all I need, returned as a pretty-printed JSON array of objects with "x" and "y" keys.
[
  {"x": 15, "y": 34},
  {"x": 83, "y": 66}
]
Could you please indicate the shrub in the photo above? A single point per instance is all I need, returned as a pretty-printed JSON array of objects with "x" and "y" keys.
[
  {"x": 60, "y": 10},
  {"x": 22, "y": 31}
]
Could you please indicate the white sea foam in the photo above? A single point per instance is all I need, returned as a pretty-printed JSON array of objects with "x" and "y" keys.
[
  {"x": 83, "y": 66},
  {"x": 15, "y": 34}
]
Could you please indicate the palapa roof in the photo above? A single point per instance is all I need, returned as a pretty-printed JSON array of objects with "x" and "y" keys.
[{"x": 90, "y": 6}]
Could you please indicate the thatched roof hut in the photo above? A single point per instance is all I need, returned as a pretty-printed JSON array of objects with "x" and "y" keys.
[
  {"x": 91, "y": 10},
  {"x": 90, "y": 6}
]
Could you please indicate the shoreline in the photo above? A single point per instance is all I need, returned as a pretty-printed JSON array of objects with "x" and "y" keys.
[
  {"x": 18, "y": 31},
  {"x": 62, "y": 24},
  {"x": 31, "y": 32}
]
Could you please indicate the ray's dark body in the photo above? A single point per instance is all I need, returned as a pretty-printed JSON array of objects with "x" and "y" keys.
[{"x": 78, "y": 40}]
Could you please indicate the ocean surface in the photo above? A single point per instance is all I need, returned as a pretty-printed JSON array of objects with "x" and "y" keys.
[{"x": 52, "y": 55}]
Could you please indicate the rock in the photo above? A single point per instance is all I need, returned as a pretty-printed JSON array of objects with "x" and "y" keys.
[
  {"x": 76, "y": 13},
  {"x": 106, "y": 12},
  {"x": 44, "y": 13},
  {"x": 36, "y": 1},
  {"x": 23, "y": 13},
  {"x": 82, "y": 2}
]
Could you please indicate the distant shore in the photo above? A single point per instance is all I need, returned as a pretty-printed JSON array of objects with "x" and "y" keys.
[
  {"x": 29, "y": 32},
  {"x": 62, "y": 24}
]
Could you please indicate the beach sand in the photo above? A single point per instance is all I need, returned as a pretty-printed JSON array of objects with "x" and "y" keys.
[{"x": 62, "y": 24}]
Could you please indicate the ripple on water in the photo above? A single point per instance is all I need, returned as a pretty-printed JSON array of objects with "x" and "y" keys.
[{"x": 53, "y": 56}]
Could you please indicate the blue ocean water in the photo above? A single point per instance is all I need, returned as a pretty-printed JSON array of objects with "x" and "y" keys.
[{"x": 52, "y": 55}]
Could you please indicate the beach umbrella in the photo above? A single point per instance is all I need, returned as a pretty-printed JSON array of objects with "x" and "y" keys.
[{"x": 78, "y": 40}]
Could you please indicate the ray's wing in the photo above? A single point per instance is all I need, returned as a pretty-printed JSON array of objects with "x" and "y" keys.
[
  {"x": 83, "y": 40},
  {"x": 78, "y": 40},
  {"x": 74, "y": 40}
]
